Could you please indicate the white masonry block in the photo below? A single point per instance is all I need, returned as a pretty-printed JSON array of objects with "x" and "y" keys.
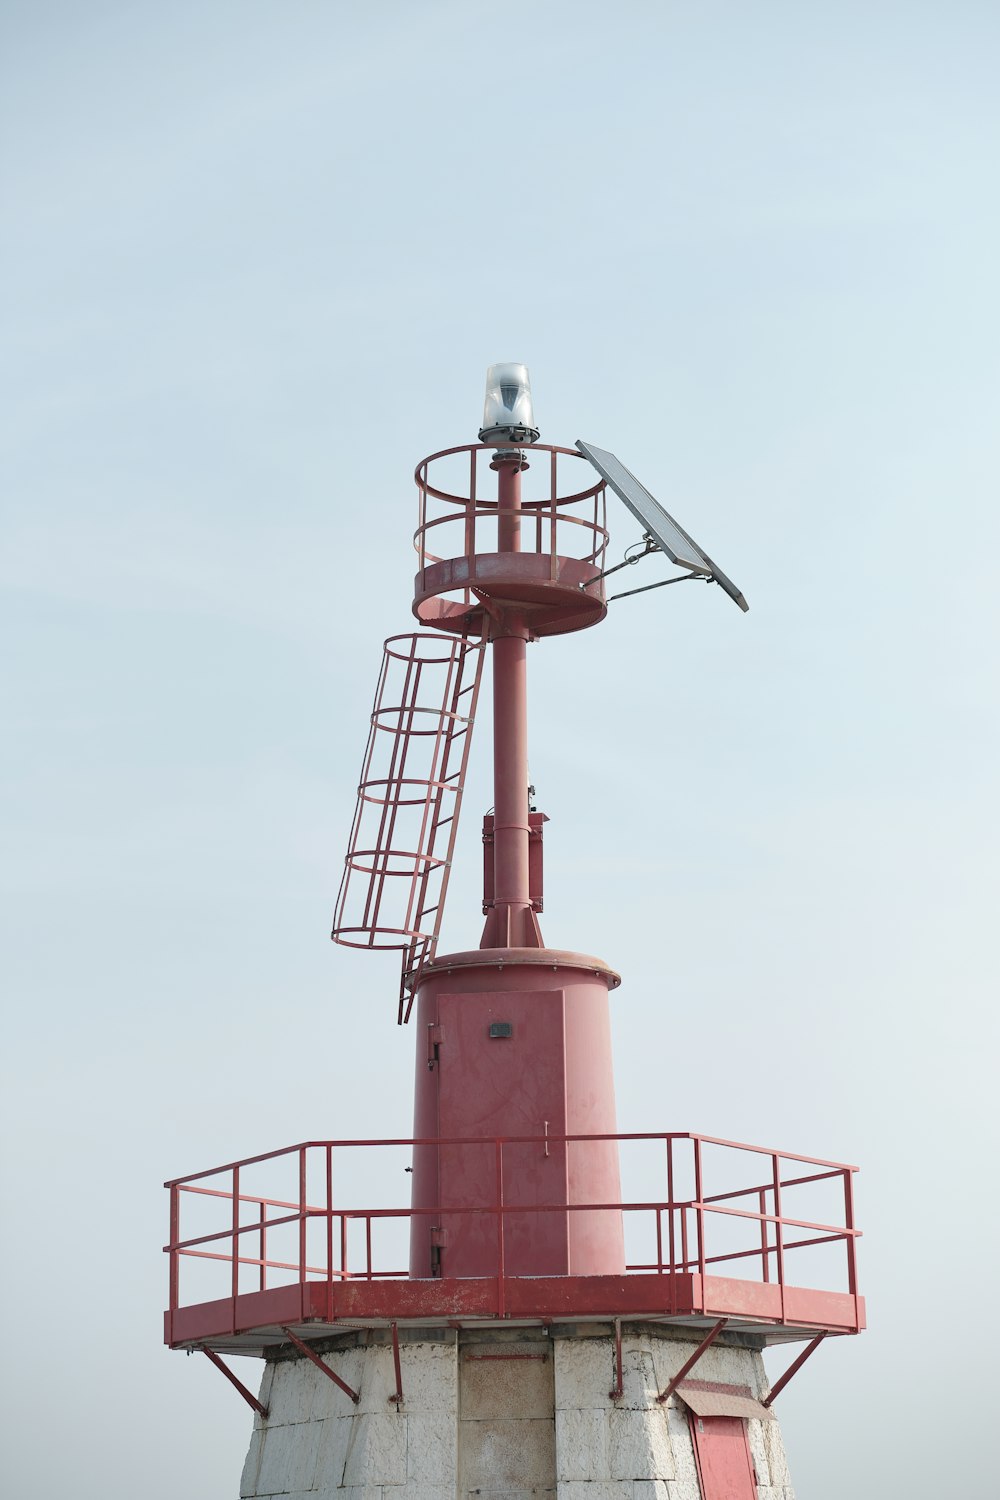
[
  {"x": 376, "y": 1451},
  {"x": 774, "y": 1449},
  {"x": 684, "y": 1489},
  {"x": 497, "y": 1417},
  {"x": 335, "y": 1443},
  {"x": 650, "y": 1489},
  {"x": 431, "y": 1456},
  {"x": 595, "y": 1489},
  {"x": 640, "y": 1444},
  {"x": 288, "y": 1458},
  {"x": 583, "y": 1446}
]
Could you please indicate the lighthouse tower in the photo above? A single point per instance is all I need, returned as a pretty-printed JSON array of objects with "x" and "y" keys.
[{"x": 550, "y": 1333}]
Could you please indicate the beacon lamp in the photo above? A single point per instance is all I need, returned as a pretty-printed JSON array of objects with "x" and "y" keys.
[{"x": 507, "y": 414}]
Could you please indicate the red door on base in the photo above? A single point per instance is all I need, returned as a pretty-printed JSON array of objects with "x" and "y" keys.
[{"x": 725, "y": 1467}]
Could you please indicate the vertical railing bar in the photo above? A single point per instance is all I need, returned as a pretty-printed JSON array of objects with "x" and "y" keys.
[
  {"x": 175, "y": 1234},
  {"x": 302, "y": 1213},
  {"x": 779, "y": 1246},
  {"x": 368, "y": 1244},
  {"x": 699, "y": 1210},
  {"x": 765, "y": 1258},
  {"x": 852, "y": 1264},
  {"x": 236, "y": 1237},
  {"x": 262, "y": 1278},
  {"x": 470, "y": 514},
  {"x": 670, "y": 1199},
  {"x": 553, "y": 514},
  {"x": 329, "y": 1216}
]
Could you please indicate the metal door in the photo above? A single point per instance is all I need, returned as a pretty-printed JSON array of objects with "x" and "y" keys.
[{"x": 722, "y": 1452}]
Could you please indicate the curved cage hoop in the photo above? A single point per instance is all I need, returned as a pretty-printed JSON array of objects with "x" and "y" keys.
[
  {"x": 558, "y": 519},
  {"x": 409, "y": 797}
]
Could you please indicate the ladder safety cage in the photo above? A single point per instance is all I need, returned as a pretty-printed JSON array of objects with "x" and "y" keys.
[{"x": 403, "y": 835}]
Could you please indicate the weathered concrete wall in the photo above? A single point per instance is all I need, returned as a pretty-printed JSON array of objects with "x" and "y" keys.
[
  {"x": 497, "y": 1414},
  {"x": 316, "y": 1442},
  {"x": 506, "y": 1430},
  {"x": 634, "y": 1448}
]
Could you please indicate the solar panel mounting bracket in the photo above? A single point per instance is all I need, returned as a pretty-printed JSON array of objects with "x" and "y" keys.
[{"x": 657, "y": 523}]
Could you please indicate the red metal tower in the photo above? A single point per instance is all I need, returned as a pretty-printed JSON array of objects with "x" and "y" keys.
[{"x": 516, "y": 1208}]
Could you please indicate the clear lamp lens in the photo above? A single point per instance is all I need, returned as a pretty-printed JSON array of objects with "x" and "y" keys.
[{"x": 508, "y": 413}]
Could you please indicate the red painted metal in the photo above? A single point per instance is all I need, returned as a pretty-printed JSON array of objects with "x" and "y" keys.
[
  {"x": 397, "y": 1395},
  {"x": 466, "y": 560},
  {"x": 793, "y": 1368},
  {"x": 722, "y": 1456},
  {"x": 536, "y": 825},
  {"x": 555, "y": 1067},
  {"x": 402, "y": 840},
  {"x": 328, "y": 1289},
  {"x": 234, "y": 1380},
  {"x": 320, "y": 1364},
  {"x": 511, "y": 922},
  {"x": 689, "y": 1364}
]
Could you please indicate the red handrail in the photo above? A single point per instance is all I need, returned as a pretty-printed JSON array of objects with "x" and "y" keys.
[{"x": 225, "y": 1243}]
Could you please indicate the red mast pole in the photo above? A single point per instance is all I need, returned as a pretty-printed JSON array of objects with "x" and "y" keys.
[{"x": 511, "y": 923}]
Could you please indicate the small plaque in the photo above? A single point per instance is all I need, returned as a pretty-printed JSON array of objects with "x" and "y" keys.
[{"x": 501, "y": 1028}]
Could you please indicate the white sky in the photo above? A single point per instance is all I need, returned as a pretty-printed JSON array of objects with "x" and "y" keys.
[{"x": 255, "y": 260}]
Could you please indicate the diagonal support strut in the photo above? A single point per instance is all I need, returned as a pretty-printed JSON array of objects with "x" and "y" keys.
[
  {"x": 220, "y": 1364},
  {"x": 397, "y": 1395},
  {"x": 690, "y": 1364},
  {"x": 311, "y": 1354},
  {"x": 796, "y": 1365}
]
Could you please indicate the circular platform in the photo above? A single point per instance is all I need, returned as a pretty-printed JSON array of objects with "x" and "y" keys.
[{"x": 556, "y": 595}]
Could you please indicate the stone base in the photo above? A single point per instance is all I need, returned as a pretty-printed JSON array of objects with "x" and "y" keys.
[{"x": 499, "y": 1414}]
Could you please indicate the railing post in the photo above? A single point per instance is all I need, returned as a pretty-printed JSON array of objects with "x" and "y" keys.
[
  {"x": 699, "y": 1211},
  {"x": 765, "y": 1258},
  {"x": 302, "y": 1213},
  {"x": 329, "y": 1217},
  {"x": 553, "y": 517},
  {"x": 262, "y": 1251},
  {"x": 175, "y": 1234},
  {"x": 779, "y": 1245},
  {"x": 852, "y": 1263},
  {"x": 670, "y": 1200},
  {"x": 470, "y": 514},
  {"x": 235, "y": 1287}
]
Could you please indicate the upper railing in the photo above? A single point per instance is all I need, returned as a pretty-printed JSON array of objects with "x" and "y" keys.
[
  {"x": 460, "y": 520},
  {"x": 716, "y": 1207}
]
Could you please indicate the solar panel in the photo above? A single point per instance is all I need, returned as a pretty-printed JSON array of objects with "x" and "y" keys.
[{"x": 656, "y": 522}]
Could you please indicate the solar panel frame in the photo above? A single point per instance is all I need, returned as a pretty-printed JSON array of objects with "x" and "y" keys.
[{"x": 668, "y": 535}]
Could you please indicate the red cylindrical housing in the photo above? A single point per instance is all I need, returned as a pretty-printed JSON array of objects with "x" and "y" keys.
[{"x": 507, "y": 1047}]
